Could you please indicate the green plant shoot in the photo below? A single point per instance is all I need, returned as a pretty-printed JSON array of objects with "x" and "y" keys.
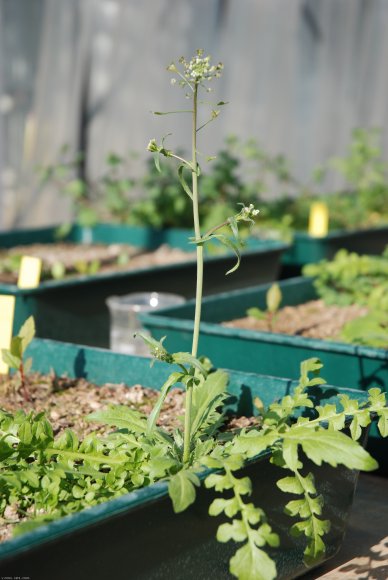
[
  {"x": 273, "y": 301},
  {"x": 14, "y": 356},
  {"x": 193, "y": 76}
]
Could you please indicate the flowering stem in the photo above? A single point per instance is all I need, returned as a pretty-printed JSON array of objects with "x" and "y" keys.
[
  {"x": 198, "y": 295},
  {"x": 215, "y": 228}
]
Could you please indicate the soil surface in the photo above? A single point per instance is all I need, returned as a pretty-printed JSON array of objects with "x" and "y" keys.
[
  {"x": 81, "y": 259},
  {"x": 314, "y": 319}
]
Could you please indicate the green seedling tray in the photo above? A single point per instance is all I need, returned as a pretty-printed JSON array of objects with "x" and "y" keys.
[
  {"x": 137, "y": 535},
  {"x": 306, "y": 249},
  {"x": 267, "y": 353},
  {"x": 74, "y": 309}
]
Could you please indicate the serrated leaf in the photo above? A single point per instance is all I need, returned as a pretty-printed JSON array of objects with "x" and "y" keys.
[
  {"x": 290, "y": 485},
  {"x": 235, "y": 531},
  {"x": 220, "y": 482},
  {"x": 330, "y": 447},
  {"x": 377, "y": 398},
  {"x": 382, "y": 424},
  {"x": 181, "y": 489},
  {"x": 359, "y": 420},
  {"x": 207, "y": 397},
  {"x": 290, "y": 454},
  {"x": 185, "y": 358},
  {"x": 252, "y": 563},
  {"x": 122, "y": 417},
  {"x": 253, "y": 442},
  {"x": 25, "y": 433},
  {"x": 243, "y": 486},
  {"x": 297, "y": 507},
  {"x": 220, "y": 505}
]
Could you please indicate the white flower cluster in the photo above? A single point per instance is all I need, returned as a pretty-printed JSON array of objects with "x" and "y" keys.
[
  {"x": 197, "y": 69},
  {"x": 248, "y": 212}
]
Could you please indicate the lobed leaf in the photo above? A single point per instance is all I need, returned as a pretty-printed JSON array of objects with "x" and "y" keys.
[
  {"x": 332, "y": 447},
  {"x": 181, "y": 488},
  {"x": 252, "y": 563}
]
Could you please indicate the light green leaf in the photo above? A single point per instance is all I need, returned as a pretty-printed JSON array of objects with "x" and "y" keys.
[
  {"x": 359, "y": 420},
  {"x": 330, "y": 447},
  {"x": 274, "y": 298},
  {"x": 253, "y": 442},
  {"x": 383, "y": 422},
  {"x": 235, "y": 531},
  {"x": 27, "y": 332},
  {"x": 181, "y": 489},
  {"x": 185, "y": 358},
  {"x": 16, "y": 349},
  {"x": 290, "y": 454},
  {"x": 290, "y": 485},
  {"x": 256, "y": 313},
  {"x": 251, "y": 563},
  {"x": 183, "y": 182},
  {"x": 12, "y": 361},
  {"x": 228, "y": 506},
  {"x": 172, "y": 380},
  {"x": 122, "y": 417},
  {"x": 207, "y": 396},
  {"x": 231, "y": 245}
]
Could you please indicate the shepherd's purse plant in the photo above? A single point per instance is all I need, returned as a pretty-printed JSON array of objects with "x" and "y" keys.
[
  {"x": 60, "y": 475},
  {"x": 197, "y": 445}
]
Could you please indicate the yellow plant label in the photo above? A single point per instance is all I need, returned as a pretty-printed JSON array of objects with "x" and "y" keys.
[
  {"x": 7, "y": 309},
  {"x": 29, "y": 272},
  {"x": 318, "y": 219}
]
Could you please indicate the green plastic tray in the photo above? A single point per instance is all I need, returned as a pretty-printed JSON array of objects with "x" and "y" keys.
[
  {"x": 279, "y": 355},
  {"x": 306, "y": 249},
  {"x": 74, "y": 309},
  {"x": 137, "y": 535}
]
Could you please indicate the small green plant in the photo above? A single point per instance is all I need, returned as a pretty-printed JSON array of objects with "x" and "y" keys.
[
  {"x": 368, "y": 330},
  {"x": 351, "y": 278},
  {"x": 273, "y": 300},
  {"x": 107, "y": 197},
  {"x": 14, "y": 356}
]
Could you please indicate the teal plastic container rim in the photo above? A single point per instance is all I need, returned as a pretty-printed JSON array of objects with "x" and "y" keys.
[
  {"x": 131, "y": 501},
  {"x": 340, "y": 234},
  {"x": 166, "y": 318},
  {"x": 255, "y": 247}
]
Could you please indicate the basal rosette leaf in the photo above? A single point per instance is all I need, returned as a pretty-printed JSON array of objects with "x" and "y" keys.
[
  {"x": 181, "y": 488},
  {"x": 208, "y": 397},
  {"x": 122, "y": 417}
]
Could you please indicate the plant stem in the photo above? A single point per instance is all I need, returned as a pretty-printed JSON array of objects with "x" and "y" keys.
[{"x": 198, "y": 294}]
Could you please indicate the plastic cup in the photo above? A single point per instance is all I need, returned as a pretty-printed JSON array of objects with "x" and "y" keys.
[{"x": 124, "y": 322}]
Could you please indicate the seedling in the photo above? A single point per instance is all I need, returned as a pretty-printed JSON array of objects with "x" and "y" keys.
[
  {"x": 273, "y": 300},
  {"x": 14, "y": 356}
]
